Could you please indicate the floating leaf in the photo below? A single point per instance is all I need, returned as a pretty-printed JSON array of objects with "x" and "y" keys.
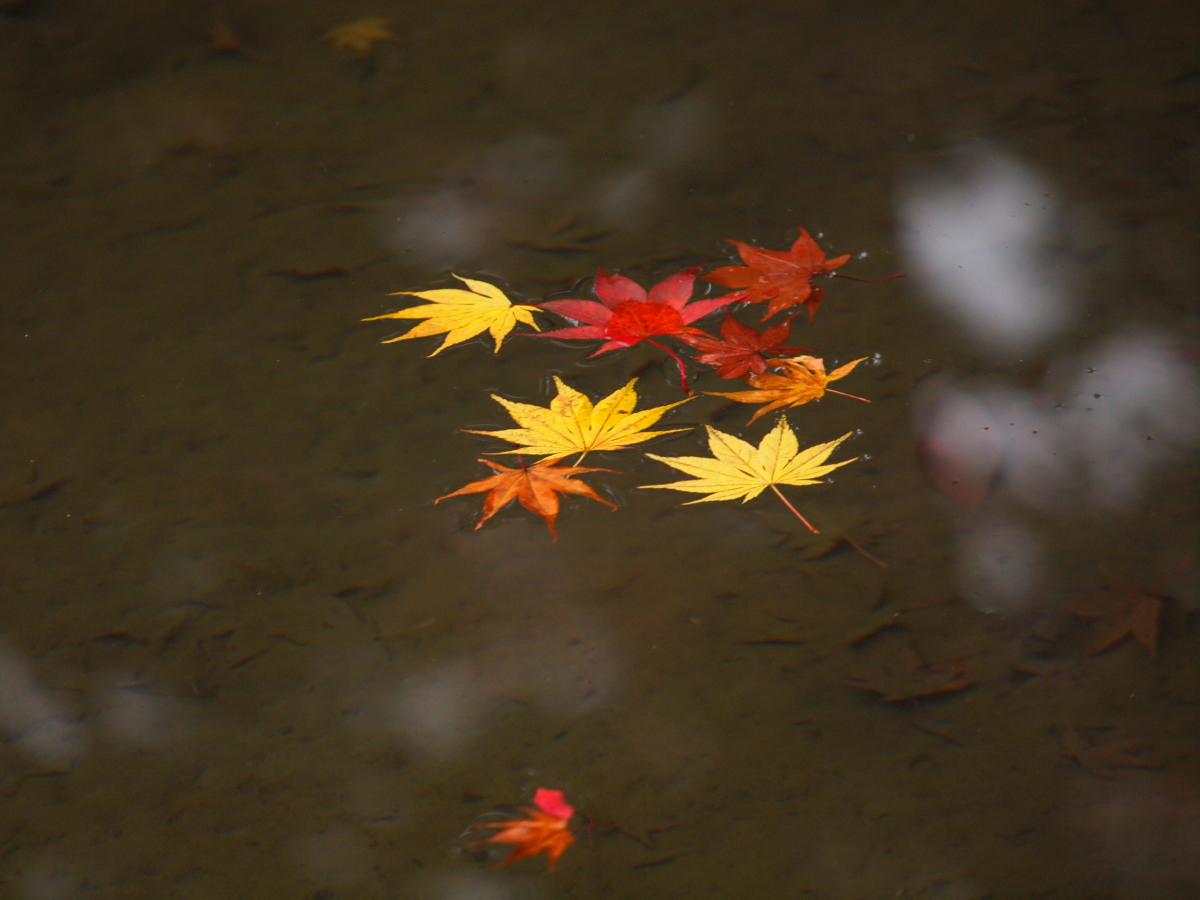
[
  {"x": 740, "y": 471},
  {"x": 573, "y": 424},
  {"x": 803, "y": 379},
  {"x": 461, "y": 314},
  {"x": 626, "y": 315},
  {"x": 547, "y": 830},
  {"x": 742, "y": 350},
  {"x": 536, "y": 487},
  {"x": 781, "y": 278}
]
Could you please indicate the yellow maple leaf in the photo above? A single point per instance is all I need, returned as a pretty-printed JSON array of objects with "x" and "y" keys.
[
  {"x": 803, "y": 379},
  {"x": 360, "y": 35},
  {"x": 461, "y": 315},
  {"x": 573, "y": 424},
  {"x": 738, "y": 470}
]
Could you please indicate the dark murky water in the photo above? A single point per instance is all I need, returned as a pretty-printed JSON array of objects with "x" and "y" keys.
[{"x": 244, "y": 654}]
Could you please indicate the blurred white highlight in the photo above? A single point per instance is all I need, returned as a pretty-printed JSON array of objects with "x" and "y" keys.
[
  {"x": 34, "y": 721},
  {"x": 999, "y": 565},
  {"x": 976, "y": 235}
]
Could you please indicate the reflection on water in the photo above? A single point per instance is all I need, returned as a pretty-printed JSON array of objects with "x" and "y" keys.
[
  {"x": 243, "y": 654},
  {"x": 980, "y": 242},
  {"x": 1092, "y": 439}
]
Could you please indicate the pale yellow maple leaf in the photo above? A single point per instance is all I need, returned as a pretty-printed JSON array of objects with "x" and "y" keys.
[
  {"x": 360, "y": 35},
  {"x": 738, "y": 470},
  {"x": 573, "y": 424},
  {"x": 803, "y": 379},
  {"x": 461, "y": 315}
]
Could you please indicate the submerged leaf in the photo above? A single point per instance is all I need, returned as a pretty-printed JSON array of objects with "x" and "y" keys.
[{"x": 361, "y": 35}]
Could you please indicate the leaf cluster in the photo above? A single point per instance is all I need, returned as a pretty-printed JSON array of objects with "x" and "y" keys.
[{"x": 624, "y": 314}]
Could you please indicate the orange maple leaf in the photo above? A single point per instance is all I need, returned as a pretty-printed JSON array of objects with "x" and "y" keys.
[
  {"x": 537, "y": 488},
  {"x": 782, "y": 277},
  {"x": 803, "y": 379},
  {"x": 1124, "y": 610},
  {"x": 547, "y": 830}
]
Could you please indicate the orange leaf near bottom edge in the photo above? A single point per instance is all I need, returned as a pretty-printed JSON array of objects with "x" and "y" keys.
[
  {"x": 547, "y": 830},
  {"x": 537, "y": 488}
]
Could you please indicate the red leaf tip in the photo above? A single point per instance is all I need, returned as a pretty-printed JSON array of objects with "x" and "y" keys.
[{"x": 553, "y": 803}]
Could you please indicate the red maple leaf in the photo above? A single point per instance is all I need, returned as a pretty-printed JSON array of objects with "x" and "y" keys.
[
  {"x": 783, "y": 278},
  {"x": 626, "y": 315},
  {"x": 742, "y": 349}
]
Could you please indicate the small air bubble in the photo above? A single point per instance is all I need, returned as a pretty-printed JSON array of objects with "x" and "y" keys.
[
  {"x": 858, "y": 432},
  {"x": 876, "y": 359},
  {"x": 863, "y": 255},
  {"x": 865, "y": 457}
]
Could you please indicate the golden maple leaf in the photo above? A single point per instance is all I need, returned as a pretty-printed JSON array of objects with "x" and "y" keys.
[
  {"x": 360, "y": 35},
  {"x": 573, "y": 424},
  {"x": 738, "y": 470},
  {"x": 803, "y": 379},
  {"x": 461, "y": 315}
]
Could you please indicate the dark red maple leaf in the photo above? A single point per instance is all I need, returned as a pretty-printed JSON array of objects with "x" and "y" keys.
[
  {"x": 741, "y": 350},
  {"x": 782, "y": 278},
  {"x": 626, "y": 315}
]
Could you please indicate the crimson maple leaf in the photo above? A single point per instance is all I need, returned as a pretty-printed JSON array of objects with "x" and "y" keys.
[
  {"x": 783, "y": 278},
  {"x": 626, "y": 315},
  {"x": 742, "y": 349}
]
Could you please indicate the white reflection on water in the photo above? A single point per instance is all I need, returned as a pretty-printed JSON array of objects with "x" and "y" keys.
[
  {"x": 471, "y": 886},
  {"x": 1104, "y": 422},
  {"x": 38, "y": 724},
  {"x": 977, "y": 235},
  {"x": 1107, "y": 421},
  {"x": 559, "y": 660},
  {"x": 1000, "y": 563},
  {"x": 1093, "y": 436}
]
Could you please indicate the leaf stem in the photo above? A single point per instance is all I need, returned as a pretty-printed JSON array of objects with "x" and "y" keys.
[
  {"x": 844, "y": 394},
  {"x": 796, "y": 512},
  {"x": 682, "y": 372}
]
